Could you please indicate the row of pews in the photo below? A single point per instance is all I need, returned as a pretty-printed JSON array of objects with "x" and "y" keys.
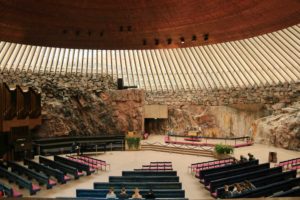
[
  {"x": 164, "y": 184},
  {"x": 46, "y": 172},
  {"x": 214, "y": 175},
  {"x": 65, "y": 145}
]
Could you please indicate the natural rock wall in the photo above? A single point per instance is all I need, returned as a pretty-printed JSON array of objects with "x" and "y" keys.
[
  {"x": 82, "y": 105},
  {"x": 281, "y": 129}
]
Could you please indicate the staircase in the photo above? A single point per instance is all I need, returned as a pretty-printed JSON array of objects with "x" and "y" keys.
[{"x": 179, "y": 150}]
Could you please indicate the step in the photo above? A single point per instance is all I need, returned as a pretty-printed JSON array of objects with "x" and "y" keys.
[{"x": 178, "y": 150}]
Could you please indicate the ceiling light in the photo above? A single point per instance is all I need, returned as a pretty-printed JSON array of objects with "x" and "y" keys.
[
  {"x": 194, "y": 38},
  {"x": 182, "y": 40}
]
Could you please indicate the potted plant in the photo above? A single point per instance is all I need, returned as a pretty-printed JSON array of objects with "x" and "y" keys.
[
  {"x": 223, "y": 151},
  {"x": 133, "y": 143}
]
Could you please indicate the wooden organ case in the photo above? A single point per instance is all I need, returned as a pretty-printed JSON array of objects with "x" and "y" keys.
[{"x": 20, "y": 112}]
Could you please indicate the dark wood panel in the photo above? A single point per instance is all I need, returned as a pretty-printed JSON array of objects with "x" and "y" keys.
[{"x": 119, "y": 24}]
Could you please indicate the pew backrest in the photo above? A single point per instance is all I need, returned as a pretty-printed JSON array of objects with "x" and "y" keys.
[
  {"x": 270, "y": 189},
  {"x": 241, "y": 177},
  {"x": 60, "y": 166},
  {"x": 202, "y": 173},
  {"x": 79, "y": 166},
  {"x": 224, "y": 174},
  {"x": 149, "y": 173},
  {"x": 140, "y": 185},
  {"x": 143, "y": 179}
]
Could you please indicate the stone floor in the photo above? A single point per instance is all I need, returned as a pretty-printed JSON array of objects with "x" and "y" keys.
[{"x": 128, "y": 160}]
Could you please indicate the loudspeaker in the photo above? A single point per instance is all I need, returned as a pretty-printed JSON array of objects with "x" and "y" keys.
[{"x": 120, "y": 84}]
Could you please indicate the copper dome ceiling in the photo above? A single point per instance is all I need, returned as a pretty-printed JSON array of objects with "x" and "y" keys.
[{"x": 141, "y": 24}]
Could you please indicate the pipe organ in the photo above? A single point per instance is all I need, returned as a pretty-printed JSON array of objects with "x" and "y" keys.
[{"x": 20, "y": 112}]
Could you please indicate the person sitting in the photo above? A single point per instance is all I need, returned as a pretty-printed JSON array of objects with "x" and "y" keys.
[
  {"x": 237, "y": 189},
  {"x": 243, "y": 159},
  {"x": 251, "y": 157},
  {"x": 123, "y": 194},
  {"x": 249, "y": 185},
  {"x": 227, "y": 193},
  {"x": 136, "y": 194},
  {"x": 111, "y": 194},
  {"x": 150, "y": 195}
]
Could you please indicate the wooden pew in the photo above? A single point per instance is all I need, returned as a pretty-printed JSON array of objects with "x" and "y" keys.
[
  {"x": 194, "y": 166},
  {"x": 143, "y": 179},
  {"x": 295, "y": 192},
  {"x": 60, "y": 176},
  {"x": 227, "y": 167},
  {"x": 77, "y": 165},
  {"x": 241, "y": 177},
  {"x": 224, "y": 174},
  {"x": 261, "y": 181},
  {"x": 62, "y": 167},
  {"x": 10, "y": 192},
  {"x": 94, "y": 161},
  {"x": 101, "y": 193},
  {"x": 132, "y": 185},
  {"x": 41, "y": 178},
  {"x": 149, "y": 173},
  {"x": 270, "y": 189},
  {"x": 23, "y": 183}
]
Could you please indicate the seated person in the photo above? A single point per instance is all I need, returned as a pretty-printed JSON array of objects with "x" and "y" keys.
[
  {"x": 123, "y": 194},
  {"x": 136, "y": 194},
  {"x": 251, "y": 157},
  {"x": 243, "y": 159},
  {"x": 249, "y": 185},
  {"x": 111, "y": 194},
  {"x": 150, "y": 195},
  {"x": 227, "y": 193},
  {"x": 237, "y": 189}
]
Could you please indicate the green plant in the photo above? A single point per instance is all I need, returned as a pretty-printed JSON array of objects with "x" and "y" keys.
[
  {"x": 223, "y": 149},
  {"x": 133, "y": 142}
]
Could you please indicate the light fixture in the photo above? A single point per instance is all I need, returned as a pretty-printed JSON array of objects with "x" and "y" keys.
[
  {"x": 205, "y": 36},
  {"x": 156, "y": 41},
  {"x": 169, "y": 40},
  {"x": 194, "y": 38},
  {"x": 144, "y": 42},
  {"x": 182, "y": 40}
]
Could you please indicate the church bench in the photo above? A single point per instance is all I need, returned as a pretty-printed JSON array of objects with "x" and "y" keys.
[
  {"x": 96, "y": 161},
  {"x": 210, "y": 177},
  {"x": 60, "y": 176},
  {"x": 140, "y": 185},
  {"x": 154, "y": 169},
  {"x": 66, "y": 169},
  {"x": 295, "y": 192},
  {"x": 40, "y": 178},
  {"x": 20, "y": 181},
  {"x": 10, "y": 192},
  {"x": 77, "y": 165},
  {"x": 268, "y": 190},
  {"x": 84, "y": 198},
  {"x": 241, "y": 177},
  {"x": 149, "y": 173},
  {"x": 261, "y": 181},
  {"x": 194, "y": 166},
  {"x": 143, "y": 179},
  {"x": 92, "y": 166},
  {"x": 288, "y": 163},
  {"x": 203, "y": 173},
  {"x": 101, "y": 193}
]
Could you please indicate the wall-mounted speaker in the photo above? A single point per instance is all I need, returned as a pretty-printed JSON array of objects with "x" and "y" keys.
[{"x": 120, "y": 84}]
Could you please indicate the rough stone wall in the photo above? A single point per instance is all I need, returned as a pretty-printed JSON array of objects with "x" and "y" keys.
[
  {"x": 82, "y": 105},
  {"x": 272, "y": 97},
  {"x": 281, "y": 129},
  {"x": 258, "y": 112}
]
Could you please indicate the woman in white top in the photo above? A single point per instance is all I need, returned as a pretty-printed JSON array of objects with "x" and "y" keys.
[{"x": 111, "y": 194}]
